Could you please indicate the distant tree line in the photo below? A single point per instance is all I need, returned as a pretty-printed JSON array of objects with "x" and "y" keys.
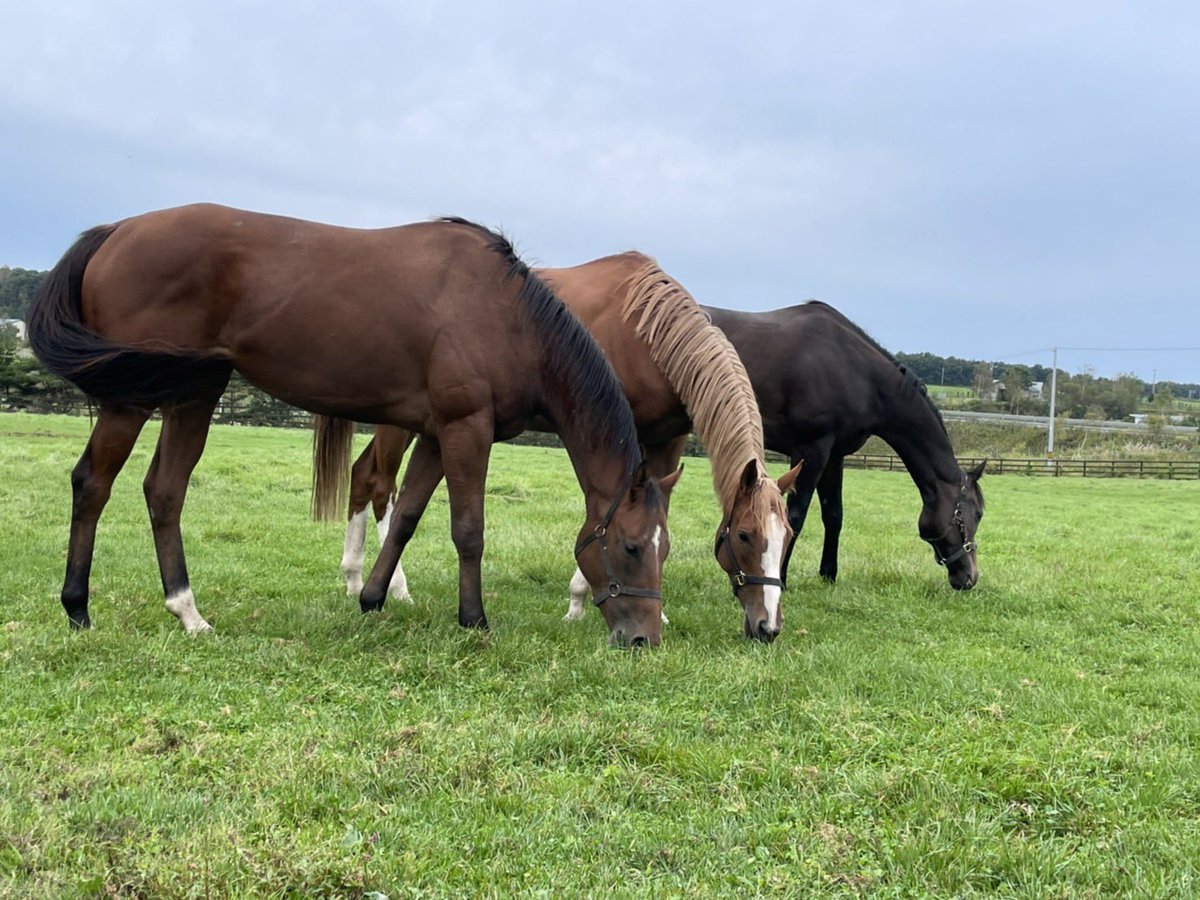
[
  {"x": 17, "y": 287},
  {"x": 24, "y": 384}
]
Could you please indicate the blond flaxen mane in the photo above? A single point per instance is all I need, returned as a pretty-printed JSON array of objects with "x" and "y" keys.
[{"x": 701, "y": 365}]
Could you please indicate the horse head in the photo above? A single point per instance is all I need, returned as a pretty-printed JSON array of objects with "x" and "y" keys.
[
  {"x": 621, "y": 554},
  {"x": 750, "y": 546},
  {"x": 948, "y": 522}
]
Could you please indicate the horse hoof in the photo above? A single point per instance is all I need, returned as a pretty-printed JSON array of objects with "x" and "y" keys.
[
  {"x": 370, "y": 606},
  {"x": 79, "y": 623},
  {"x": 481, "y": 623}
]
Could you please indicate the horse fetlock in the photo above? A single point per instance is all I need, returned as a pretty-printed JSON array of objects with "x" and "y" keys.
[{"x": 182, "y": 605}]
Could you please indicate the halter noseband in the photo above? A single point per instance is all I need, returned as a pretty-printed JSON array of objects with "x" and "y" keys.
[
  {"x": 956, "y": 520},
  {"x": 737, "y": 578},
  {"x": 615, "y": 588}
]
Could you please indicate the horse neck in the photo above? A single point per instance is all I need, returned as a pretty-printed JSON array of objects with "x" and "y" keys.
[
  {"x": 603, "y": 476},
  {"x": 911, "y": 427}
]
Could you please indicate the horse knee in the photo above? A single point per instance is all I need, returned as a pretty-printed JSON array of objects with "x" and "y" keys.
[
  {"x": 468, "y": 539},
  {"x": 88, "y": 493}
]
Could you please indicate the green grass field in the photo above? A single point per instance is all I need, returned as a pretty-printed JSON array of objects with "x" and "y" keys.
[{"x": 1036, "y": 737}]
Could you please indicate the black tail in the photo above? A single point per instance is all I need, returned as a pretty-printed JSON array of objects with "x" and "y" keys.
[{"x": 103, "y": 370}]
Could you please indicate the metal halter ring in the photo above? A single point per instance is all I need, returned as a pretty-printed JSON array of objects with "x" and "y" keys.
[
  {"x": 737, "y": 578},
  {"x": 615, "y": 588}
]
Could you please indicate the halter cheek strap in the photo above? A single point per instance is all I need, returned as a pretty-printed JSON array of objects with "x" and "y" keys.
[
  {"x": 956, "y": 520},
  {"x": 737, "y": 578},
  {"x": 614, "y": 587}
]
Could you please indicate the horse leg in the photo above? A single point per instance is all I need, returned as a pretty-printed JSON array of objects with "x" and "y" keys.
[
  {"x": 361, "y": 492},
  {"x": 390, "y": 444},
  {"x": 799, "y": 500},
  {"x": 180, "y": 444},
  {"x": 829, "y": 489},
  {"x": 466, "y": 445},
  {"x": 108, "y": 448},
  {"x": 423, "y": 475}
]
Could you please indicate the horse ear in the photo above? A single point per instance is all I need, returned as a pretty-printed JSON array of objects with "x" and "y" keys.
[
  {"x": 749, "y": 478},
  {"x": 787, "y": 481},
  {"x": 977, "y": 472},
  {"x": 668, "y": 483},
  {"x": 639, "y": 481}
]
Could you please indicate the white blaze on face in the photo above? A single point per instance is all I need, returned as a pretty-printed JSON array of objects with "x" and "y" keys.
[
  {"x": 656, "y": 540},
  {"x": 772, "y": 559},
  {"x": 182, "y": 605}
]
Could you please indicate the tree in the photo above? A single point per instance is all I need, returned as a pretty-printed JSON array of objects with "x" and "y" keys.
[
  {"x": 1122, "y": 397},
  {"x": 17, "y": 287},
  {"x": 981, "y": 380},
  {"x": 1016, "y": 380}
]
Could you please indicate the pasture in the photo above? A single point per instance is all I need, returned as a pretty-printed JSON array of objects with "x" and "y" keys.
[{"x": 1035, "y": 737}]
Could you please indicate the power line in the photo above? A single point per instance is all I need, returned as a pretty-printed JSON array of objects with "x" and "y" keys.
[
  {"x": 1102, "y": 350},
  {"x": 1135, "y": 349}
]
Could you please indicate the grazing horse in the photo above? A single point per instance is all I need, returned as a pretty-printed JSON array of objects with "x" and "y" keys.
[
  {"x": 678, "y": 371},
  {"x": 466, "y": 345},
  {"x": 823, "y": 388}
]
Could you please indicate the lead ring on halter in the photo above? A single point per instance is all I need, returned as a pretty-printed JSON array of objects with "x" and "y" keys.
[
  {"x": 737, "y": 578},
  {"x": 615, "y": 588}
]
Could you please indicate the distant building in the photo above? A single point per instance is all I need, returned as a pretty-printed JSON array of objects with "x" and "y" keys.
[{"x": 18, "y": 324}]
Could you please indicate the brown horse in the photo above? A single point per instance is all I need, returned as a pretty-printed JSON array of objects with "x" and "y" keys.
[
  {"x": 677, "y": 370},
  {"x": 467, "y": 346}
]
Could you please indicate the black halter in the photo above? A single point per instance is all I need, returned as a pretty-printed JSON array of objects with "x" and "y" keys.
[
  {"x": 615, "y": 588},
  {"x": 956, "y": 521},
  {"x": 737, "y": 578}
]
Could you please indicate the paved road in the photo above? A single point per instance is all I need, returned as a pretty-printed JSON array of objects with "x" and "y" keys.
[{"x": 1042, "y": 422}]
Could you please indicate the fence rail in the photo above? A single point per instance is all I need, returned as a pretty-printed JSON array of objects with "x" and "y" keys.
[{"x": 1173, "y": 469}]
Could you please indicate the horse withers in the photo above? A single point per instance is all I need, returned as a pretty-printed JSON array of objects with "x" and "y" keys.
[{"x": 156, "y": 311}]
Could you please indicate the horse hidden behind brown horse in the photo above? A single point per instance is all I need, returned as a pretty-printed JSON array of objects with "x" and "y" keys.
[{"x": 466, "y": 347}]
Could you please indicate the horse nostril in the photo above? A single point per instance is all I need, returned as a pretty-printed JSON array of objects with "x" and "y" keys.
[{"x": 639, "y": 641}]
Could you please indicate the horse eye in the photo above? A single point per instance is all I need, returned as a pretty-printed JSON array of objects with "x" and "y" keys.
[
  {"x": 743, "y": 537},
  {"x": 632, "y": 549}
]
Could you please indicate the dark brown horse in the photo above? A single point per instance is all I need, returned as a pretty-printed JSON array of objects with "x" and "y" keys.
[
  {"x": 466, "y": 346},
  {"x": 824, "y": 387},
  {"x": 677, "y": 371}
]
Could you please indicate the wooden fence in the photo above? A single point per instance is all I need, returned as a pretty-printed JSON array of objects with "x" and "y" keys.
[{"x": 1086, "y": 468}]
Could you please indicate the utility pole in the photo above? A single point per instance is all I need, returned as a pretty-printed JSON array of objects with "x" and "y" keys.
[{"x": 1053, "y": 395}]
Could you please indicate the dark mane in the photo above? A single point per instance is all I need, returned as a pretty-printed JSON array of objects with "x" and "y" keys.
[
  {"x": 911, "y": 383},
  {"x": 582, "y": 393}
]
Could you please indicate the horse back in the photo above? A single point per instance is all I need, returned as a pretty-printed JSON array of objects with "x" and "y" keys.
[
  {"x": 816, "y": 375},
  {"x": 354, "y": 308}
]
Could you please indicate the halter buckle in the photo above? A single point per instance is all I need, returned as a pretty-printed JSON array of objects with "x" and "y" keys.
[{"x": 738, "y": 579}]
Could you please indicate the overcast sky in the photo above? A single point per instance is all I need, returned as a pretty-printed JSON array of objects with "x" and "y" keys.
[{"x": 975, "y": 179}]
